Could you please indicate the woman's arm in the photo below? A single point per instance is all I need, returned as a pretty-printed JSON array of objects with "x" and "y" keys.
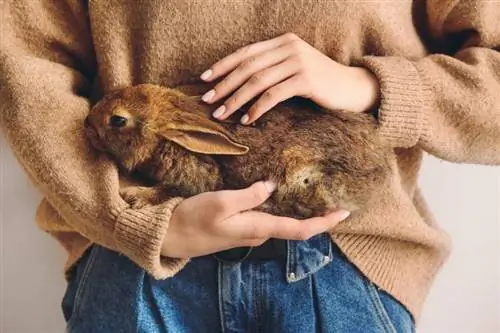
[
  {"x": 447, "y": 104},
  {"x": 46, "y": 65}
]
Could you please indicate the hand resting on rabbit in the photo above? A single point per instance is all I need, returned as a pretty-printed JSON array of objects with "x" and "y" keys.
[{"x": 320, "y": 160}]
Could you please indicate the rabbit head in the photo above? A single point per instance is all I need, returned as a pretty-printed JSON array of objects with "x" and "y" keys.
[{"x": 130, "y": 123}]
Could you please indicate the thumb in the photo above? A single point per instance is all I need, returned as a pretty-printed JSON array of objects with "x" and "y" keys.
[{"x": 248, "y": 198}]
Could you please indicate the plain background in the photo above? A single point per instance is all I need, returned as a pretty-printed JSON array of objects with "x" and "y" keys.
[{"x": 465, "y": 297}]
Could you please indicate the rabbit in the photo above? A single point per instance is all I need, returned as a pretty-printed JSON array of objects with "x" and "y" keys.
[{"x": 321, "y": 160}]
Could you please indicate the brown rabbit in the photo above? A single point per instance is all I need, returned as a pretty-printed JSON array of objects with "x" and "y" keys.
[{"x": 320, "y": 160}]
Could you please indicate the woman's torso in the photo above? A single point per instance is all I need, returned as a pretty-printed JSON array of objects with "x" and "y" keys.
[
  {"x": 172, "y": 42},
  {"x": 395, "y": 243}
]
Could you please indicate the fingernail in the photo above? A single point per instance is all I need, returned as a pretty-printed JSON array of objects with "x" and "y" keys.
[
  {"x": 271, "y": 186},
  {"x": 208, "y": 95},
  {"x": 245, "y": 119},
  {"x": 343, "y": 214},
  {"x": 206, "y": 74},
  {"x": 219, "y": 111}
]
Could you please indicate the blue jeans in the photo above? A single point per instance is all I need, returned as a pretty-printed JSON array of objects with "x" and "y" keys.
[{"x": 315, "y": 289}]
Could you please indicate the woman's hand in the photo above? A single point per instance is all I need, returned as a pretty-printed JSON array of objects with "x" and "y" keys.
[
  {"x": 216, "y": 221},
  {"x": 284, "y": 67}
]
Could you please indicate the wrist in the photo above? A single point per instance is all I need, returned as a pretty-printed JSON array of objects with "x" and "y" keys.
[
  {"x": 169, "y": 248},
  {"x": 368, "y": 88}
]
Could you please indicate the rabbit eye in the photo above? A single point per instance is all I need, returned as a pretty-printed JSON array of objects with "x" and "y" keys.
[
  {"x": 306, "y": 181},
  {"x": 117, "y": 121}
]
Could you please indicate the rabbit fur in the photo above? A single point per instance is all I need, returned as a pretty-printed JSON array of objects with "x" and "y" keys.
[{"x": 321, "y": 160}]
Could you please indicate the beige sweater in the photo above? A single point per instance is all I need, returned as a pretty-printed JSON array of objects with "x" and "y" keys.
[{"x": 437, "y": 62}]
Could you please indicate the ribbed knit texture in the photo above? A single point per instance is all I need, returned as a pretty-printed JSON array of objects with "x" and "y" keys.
[
  {"x": 141, "y": 233},
  {"x": 405, "y": 99},
  {"x": 58, "y": 56}
]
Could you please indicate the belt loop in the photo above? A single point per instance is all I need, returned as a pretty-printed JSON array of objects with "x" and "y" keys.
[{"x": 307, "y": 257}]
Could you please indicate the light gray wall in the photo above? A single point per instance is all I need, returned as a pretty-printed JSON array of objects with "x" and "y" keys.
[{"x": 465, "y": 298}]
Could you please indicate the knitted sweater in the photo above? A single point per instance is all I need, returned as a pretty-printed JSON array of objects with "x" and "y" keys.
[{"x": 438, "y": 64}]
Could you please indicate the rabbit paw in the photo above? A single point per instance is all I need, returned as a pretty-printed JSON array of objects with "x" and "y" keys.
[{"x": 138, "y": 197}]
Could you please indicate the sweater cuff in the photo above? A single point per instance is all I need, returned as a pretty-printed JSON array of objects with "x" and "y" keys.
[
  {"x": 140, "y": 234},
  {"x": 405, "y": 99}
]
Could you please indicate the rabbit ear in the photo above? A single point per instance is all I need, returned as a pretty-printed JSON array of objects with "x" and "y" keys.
[{"x": 198, "y": 134}]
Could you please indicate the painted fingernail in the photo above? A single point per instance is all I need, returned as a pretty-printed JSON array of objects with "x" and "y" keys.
[
  {"x": 219, "y": 111},
  {"x": 343, "y": 214},
  {"x": 208, "y": 95},
  {"x": 206, "y": 74},
  {"x": 271, "y": 186},
  {"x": 245, "y": 119}
]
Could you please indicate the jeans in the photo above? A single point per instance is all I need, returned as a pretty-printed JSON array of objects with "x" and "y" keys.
[{"x": 314, "y": 289}]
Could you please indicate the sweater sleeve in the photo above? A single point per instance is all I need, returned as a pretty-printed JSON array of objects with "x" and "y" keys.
[
  {"x": 447, "y": 103},
  {"x": 46, "y": 64}
]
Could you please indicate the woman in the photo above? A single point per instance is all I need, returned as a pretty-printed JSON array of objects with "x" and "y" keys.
[{"x": 427, "y": 70}]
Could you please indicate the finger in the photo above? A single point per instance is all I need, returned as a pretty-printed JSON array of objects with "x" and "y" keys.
[
  {"x": 229, "y": 63},
  {"x": 316, "y": 225},
  {"x": 271, "y": 97},
  {"x": 230, "y": 202},
  {"x": 257, "y": 225},
  {"x": 258, "y": 83},
  {"x": 248, "y": 69}
]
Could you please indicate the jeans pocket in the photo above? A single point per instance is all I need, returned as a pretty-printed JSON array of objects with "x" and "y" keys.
[
  {"x": 393, "y": 316},
  {"x": 76, "y": 289}
]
